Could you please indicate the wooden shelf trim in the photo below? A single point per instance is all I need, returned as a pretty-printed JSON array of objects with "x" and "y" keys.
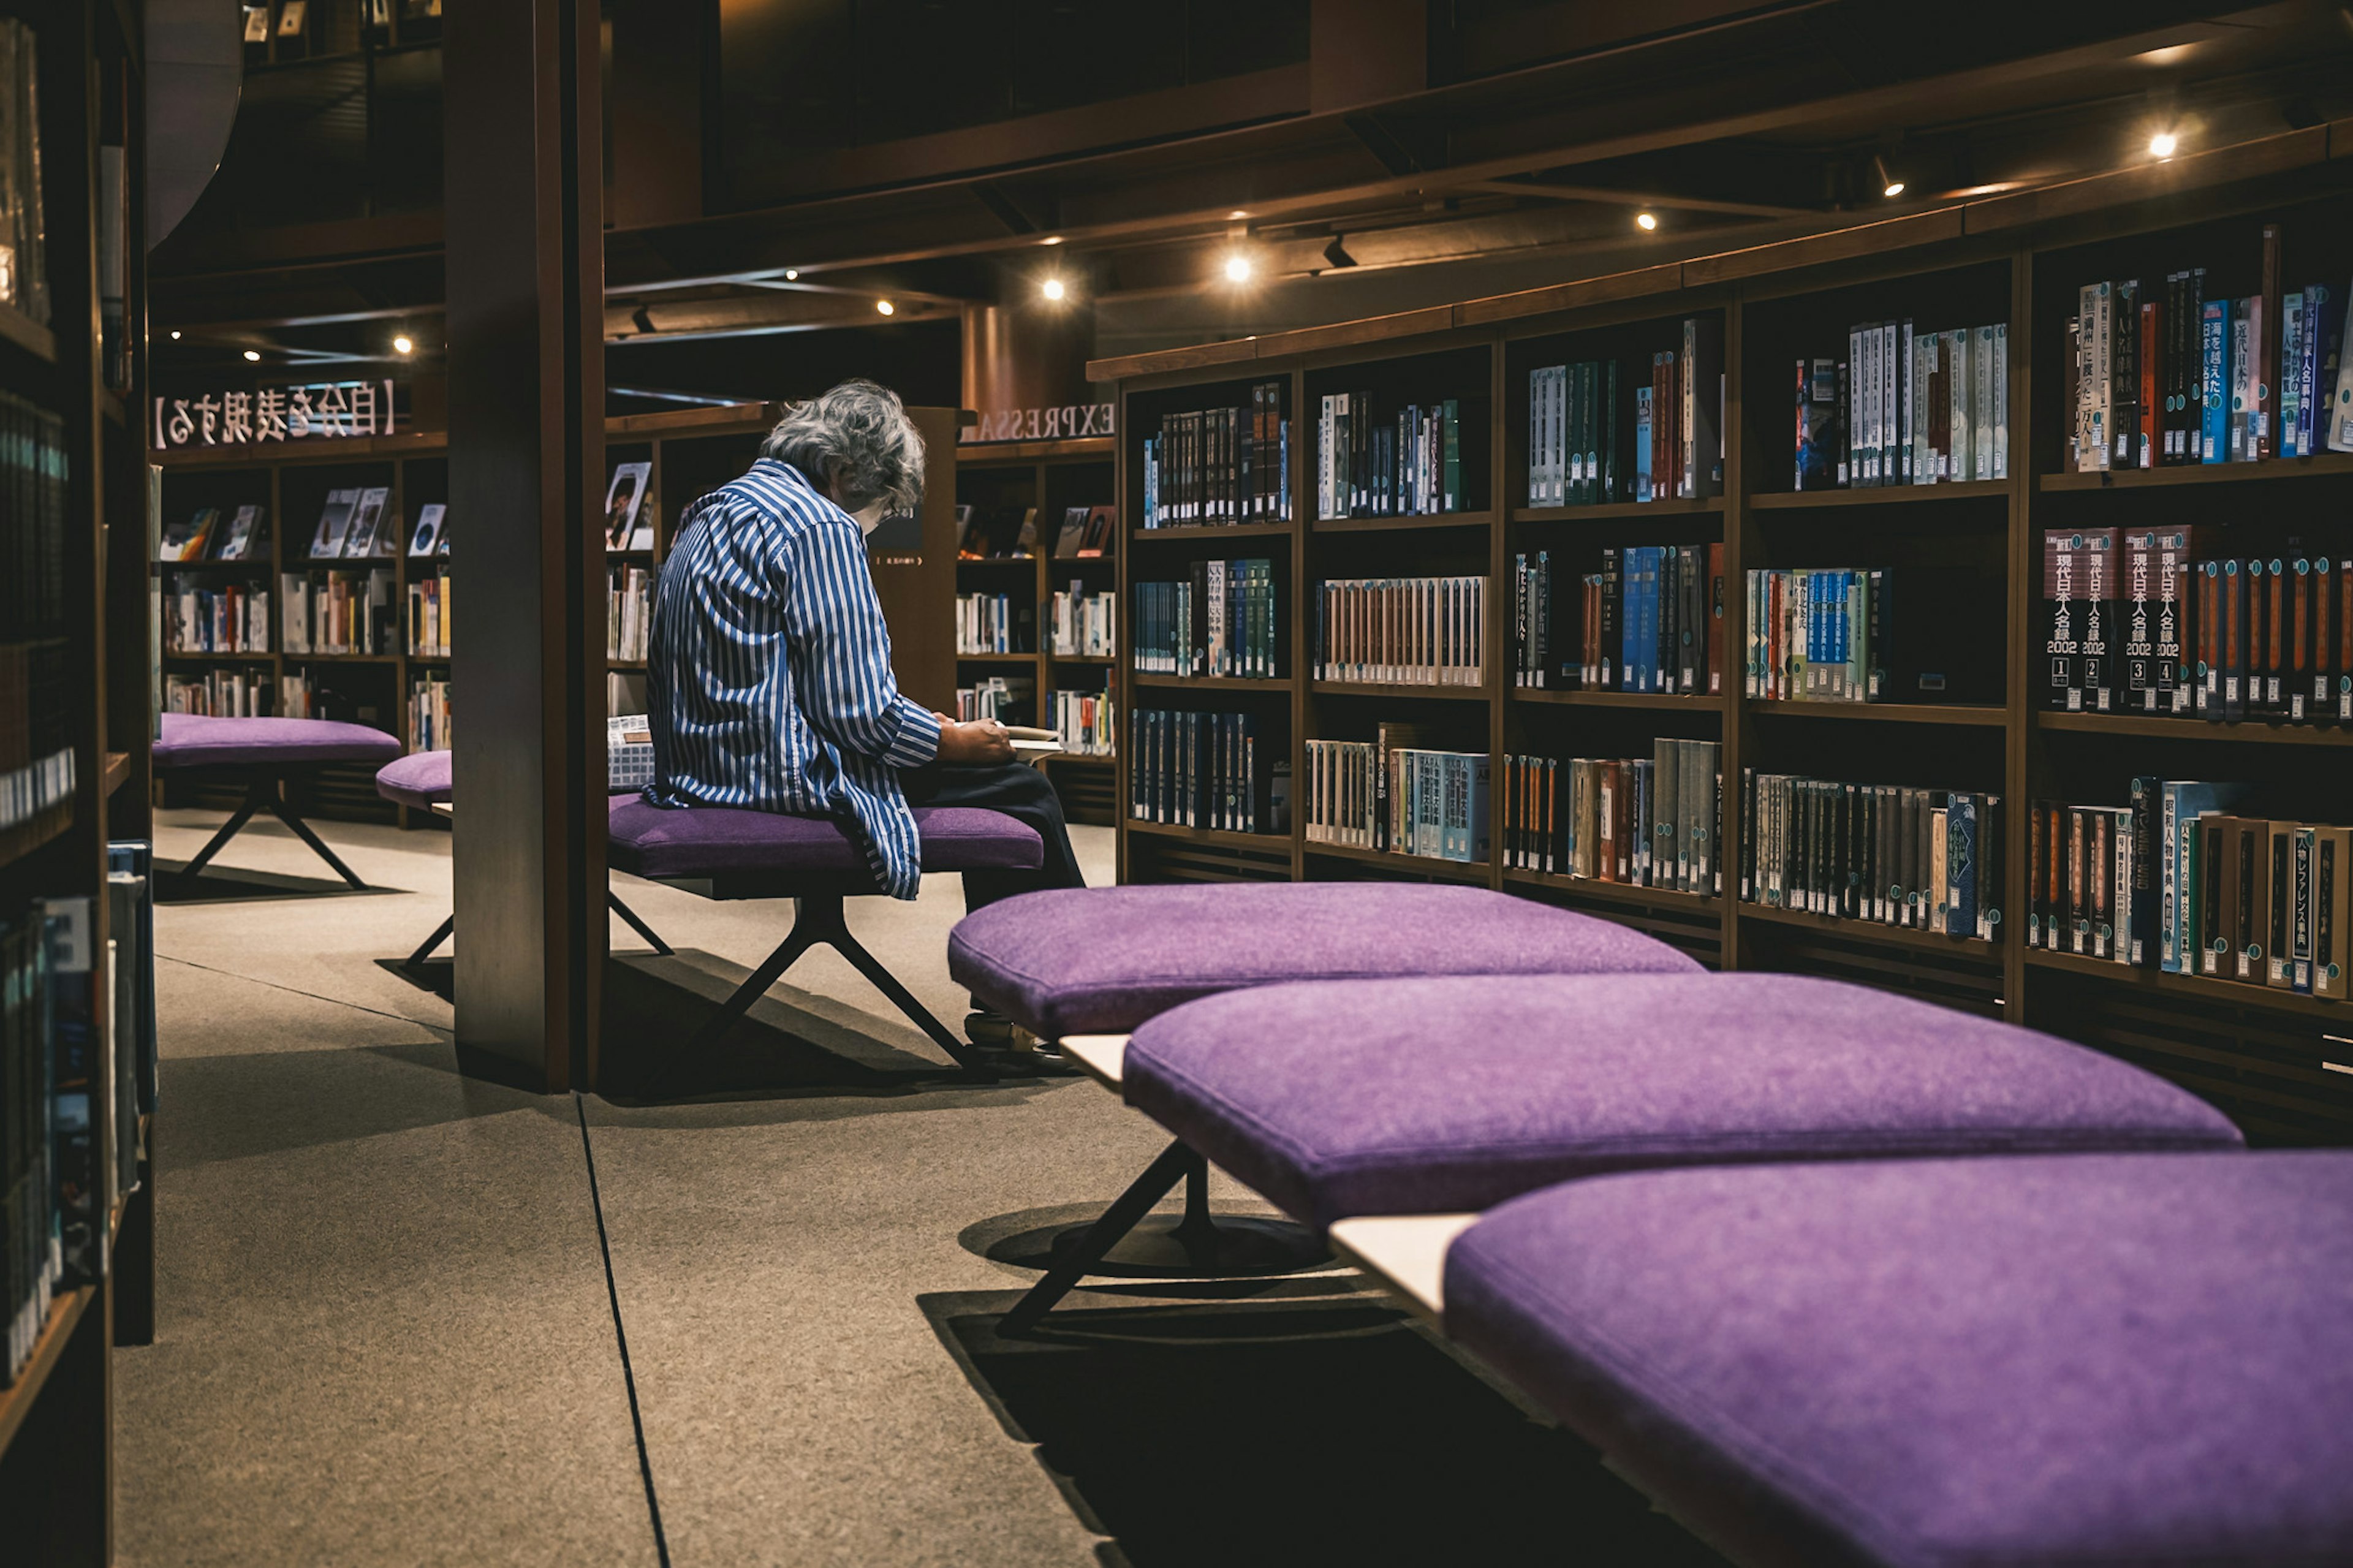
[
  {"x": 36, "y": 830},
  {"x": 1616, "y": 510},
  {"x": 117, "y": 772},
  {"x": 1419, "y": 864},
  {"x": 1661, "y": 700},
  {"x": 2233, "y": 992},
  {"x": 1982, "y": 716},
  {"x": 1881, "y": 495},
  {"x": 2158, "y": 726},
  {"x": 16, "y": 1400},
  {"x": 1403, "y": 690},
  {"x": 1215, "y": 531},
  {"x": 1614, "y": 892},
  {"x": 998, "y": 454},
  {"x": 28, "y": 334},
  {"x": 1395, "y": 524},
  {"x": 1989, "y": 952},
  {"x": 2320, "y": 465},
  {"x": 1218, "y": 835}
]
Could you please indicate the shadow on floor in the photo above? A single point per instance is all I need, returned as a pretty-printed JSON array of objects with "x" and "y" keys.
[
  {"x": 220, "y": 884},
  {"x": 435, "y": 976},
  {"x": 1308, "y": 1423}
]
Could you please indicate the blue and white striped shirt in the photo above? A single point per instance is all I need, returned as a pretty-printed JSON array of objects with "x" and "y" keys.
[{"x": 769, "y": 681}]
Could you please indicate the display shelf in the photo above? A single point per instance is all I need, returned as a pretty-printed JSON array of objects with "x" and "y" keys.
[
  {"x": 1621, "y": 511},
  {"x": 2320, "y": 465},
  {"x": 16, "y": 1400},
  {"x": 1417, "y": 523},
  {"x": 1659, "y": 700},
  {"x": 1881, "y": 495},
  {"x": 2160, "y": 727},
  {"x": 2160, "y": 982},
  {"x": 1403, "y": 865},
  {"x": 18, "y": 328},
  {"x": 1613, "y": 892},
  {"x": 1968, "y": 715}
]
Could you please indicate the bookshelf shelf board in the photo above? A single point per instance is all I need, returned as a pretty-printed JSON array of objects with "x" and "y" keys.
[
  {"x": 1386, "y": 688},
  {"x": 341, "y": 659},
  {"x": 1207, "y": 834},
  {"x": 1575, "y": 698},
  {"x": 36, "y": 830},
  {"x": 1881, "y": 495},
  {"x": 2320, "y": 465},
  {"x": 2157, "y": 725},
  {"x": 261, "y": 567},
  {"x": 1395, "y": 524},
  {"x": 1874, "y": 930},
  {"x": 1209, "y": 683},
  {"x": 316, "y": 449},
  {"x": 2201, "y": 986},
  {"x": 625, "y": 664},
  {"x": 28, "y": 334},
  {"x": 117, "y": 772},
  {"x": 1415, "y": 865},
  {"x": 16, "y": 1400},
  {"x": 1098, "y": 760},
  {"x": 987, "y": 454},
  {"x": 1983, "y": 716},
  {"x": 192, "y": 655},
  {"x": 1619, "y": 511},
  {"x": 1215, "y": 531},
  {"x": 628, "y": 555},
  {"x": 1612, "y": 892},
  {"x": 995, "y": 658},
  {"x": 1090, "y": 658},
  {"x": 430, "y": 659},
  {"x": 1024, "y": 561}
]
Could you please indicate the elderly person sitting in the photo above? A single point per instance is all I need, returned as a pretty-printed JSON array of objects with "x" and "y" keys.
[{"x": 769, "y": 679}]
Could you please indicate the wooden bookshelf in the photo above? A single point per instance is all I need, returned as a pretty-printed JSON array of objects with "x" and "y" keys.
[{"x": 2014, "y": 259}]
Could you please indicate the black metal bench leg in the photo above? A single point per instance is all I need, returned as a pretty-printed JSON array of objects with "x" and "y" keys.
[
  {"x": 837, "y": 937},
  {"x": 301, "y": 830},
  {"x": 255, "y": 799},
  {"x": 797, "y": 940},
  {"x": 424, "y": 951},
  {"x": 1174, "y": 1162},
  {"x": 629, "y": 916}
]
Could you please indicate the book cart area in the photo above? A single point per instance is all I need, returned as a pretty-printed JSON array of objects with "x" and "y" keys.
[
  {"x": 77, "y": 1001},
  {"x": 1956, "y": 604},
  {"x": 1036, "y": 597}
]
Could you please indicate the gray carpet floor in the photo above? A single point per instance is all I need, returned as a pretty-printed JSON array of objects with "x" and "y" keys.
[{"x": 401, "y": 1313}]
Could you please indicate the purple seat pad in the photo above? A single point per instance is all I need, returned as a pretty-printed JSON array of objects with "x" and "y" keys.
[
  {"x": 419, "y": 779},
  {"x": 1103, "y": 960},
  {"x": 2100, "y": 1359},
  {"x": 1425, "y": 1096},
  {"x": 200, "y": 740},
  {"x": 719, "y": 841}
]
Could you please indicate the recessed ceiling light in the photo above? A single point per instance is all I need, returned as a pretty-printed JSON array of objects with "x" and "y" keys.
[
  {"x": 1646, "y": 221},
  {"x": 252, "y": 356},
  {"x": 2162, "y": 144},
  {"x": 1051, "y": 239},
  {"x": 175, "y": 334},
  {"x": 886, "y": 307},
  {"x": 792, "y": 274},
  {"x": 1051, "y": 288},
  {"x": 401, "y": 345},
  {"x": 1235, "y": 214},
  {"x": 1237, "y": 269}
]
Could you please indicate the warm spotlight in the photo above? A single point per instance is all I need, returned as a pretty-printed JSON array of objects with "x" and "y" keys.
[
  {"x": 1236, "y": 215},
  {"x": 1237, "y": 269},
  {"x": 1889, "y": 185},
  {"x": 402, "y": 344},
  {"x": 1051, "y": 239},
  {"x": 1646, "y": 221},
  {"x": 2162, "y": 144},
  {"x": 175, "y": 334},
  {"x": 1052, "y": 288},
  {"x": 252, "y": 356},
  {"x": 792, "y": 274},
  {"x": 886, "y": 307}
]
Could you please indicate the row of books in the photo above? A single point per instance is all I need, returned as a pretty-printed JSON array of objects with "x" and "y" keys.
[
  {"x": 337, "y": 612},
  {"x": 1646, "y": 822},
  {"x": 35, "y": 737},
  {"x": 429, "y": 713},
  {"x": 989, "y": 623},
  {"x": 1011, "y": 534},
  {"x": 2160, "y": 375},
  {"x": 231, "y": 618},
  {"x": 2181, "y": 880},
  {"x": 1651, "y": 620},
  {"x": 201, "y": 536},
  {"x": 1220, "y": 466},
  {"x": 1905, "y": 408},
  {"x": 1085, "y": 722},
  {"x": 1870, "y": 633},
  {"x": 2145, "y": 621},
  {"x": 33, "y": 545},
  {"x": 1373, "y": 458},
  {"x": 629, "y": 612},
  {"x": 1008, "y": 699},
  {"x": 1207, "y": 770},
  {"x": 24, "y": 228},
  {"x": 1220, "y": 622},
  {"x": 428, "y": 616},
  {"x": 1080, "y": 624},
  {"x": 1403, "y": 631},
  {"x": 1589, "y": 445},
  {"x": 1396, "y": 794},
  {"x": 1925, "y": 859},
  {"x": 223, "y": 694}
]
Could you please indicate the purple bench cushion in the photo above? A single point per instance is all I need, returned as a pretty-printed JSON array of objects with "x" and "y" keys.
[
  {"x": 200, "y": 740},
  {"x": 2097, "y": 1358},
  {"x": 1103, "y": 960},
  {"x": 1423, "y": 1096},
  {"x": 420, "y": 779},
  {"x": 720, "y": 841}
]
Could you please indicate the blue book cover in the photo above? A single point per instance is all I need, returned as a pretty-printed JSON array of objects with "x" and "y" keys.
[
  {"x": 2215, "y": 438},
  {"x": 2187, "y": 801},
  {"x": 1642, "y": 443},
  {"x": 1630, "y": 617},
  {"x": 1961, "y": 864}
]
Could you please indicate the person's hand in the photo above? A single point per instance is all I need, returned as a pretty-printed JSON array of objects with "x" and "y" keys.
[{"x": 982, "y": 742}]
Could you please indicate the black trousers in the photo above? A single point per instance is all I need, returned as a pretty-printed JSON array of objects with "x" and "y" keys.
[{"x": 1020, "y": 792}]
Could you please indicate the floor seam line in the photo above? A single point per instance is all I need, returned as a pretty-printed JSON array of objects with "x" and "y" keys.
[
  {"x": 622, "y": 1335},
  {"x": 313, "y": 995}
]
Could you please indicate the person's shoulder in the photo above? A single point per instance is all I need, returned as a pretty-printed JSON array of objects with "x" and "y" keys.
[{"x": 785, "y": 501}]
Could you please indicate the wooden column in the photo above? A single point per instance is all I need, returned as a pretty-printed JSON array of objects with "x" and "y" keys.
[{"x": 525, "y": 280}]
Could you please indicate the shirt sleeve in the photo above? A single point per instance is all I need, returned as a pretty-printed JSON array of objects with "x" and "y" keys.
[{"x": 841, "y": 648}]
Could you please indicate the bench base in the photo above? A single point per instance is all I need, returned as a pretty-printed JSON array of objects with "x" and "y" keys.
[
  {"x": 636, "y": 922},
  {"x": 265, "y": 793}
]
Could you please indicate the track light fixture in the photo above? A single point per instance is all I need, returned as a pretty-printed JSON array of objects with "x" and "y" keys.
[{"x": 1890, "y": 185}]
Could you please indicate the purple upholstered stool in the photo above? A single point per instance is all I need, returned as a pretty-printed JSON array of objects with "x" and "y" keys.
[
  {"x": 263, "y": 754},
  {"x": 723, "y": 853},
  {"x": 1076, "y": 962},
  {"x": 2097, "y": 1358},
  {"x": 423, "y": 780}
]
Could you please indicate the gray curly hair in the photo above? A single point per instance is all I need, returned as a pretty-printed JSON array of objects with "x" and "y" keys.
[{"x": 857, "y": 438}]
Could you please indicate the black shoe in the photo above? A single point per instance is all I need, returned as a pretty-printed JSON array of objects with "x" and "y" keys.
[{"x": 989, "y": 1031}]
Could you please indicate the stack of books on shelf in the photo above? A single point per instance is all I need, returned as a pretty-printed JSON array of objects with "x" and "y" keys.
[
  {"x": 224, "y": 694},
  {"x": 1220, "y": 622},
  {"x": 1395, "y": 794},
  {"x": 428, "y": 616},
  {"x": 1646, "y": 822},
  {"x": 1651, "y": 620},
  {"x": 1922, "y": 860},
  {"x": 1085, "y": 723},
  {"x": 1084, "y": 625},
  {"x": 1854, "y": 634},
  {"x": 2183, "y": 881},
  {"x": 1008, "y": 699},
  {"x": 337, "y": 612},
  {"x": 629, "y": 612},
  {"x": 231, "y": 618},
  {"x": 1208, "y": 770},
  {"x": 2160, "y": 375},
  {"x": 990, "y": 623},
  {"x": 1375, "y": 458},
  {"x": 1591, "y": 445},
  {"x": 1220, "y": 466},
  {"x": 2149, "y": 621},
  {"x": 1403, "y": 631},
  {"x": 1905, "y": 408},
  {"x": 429, "y": 713}
]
